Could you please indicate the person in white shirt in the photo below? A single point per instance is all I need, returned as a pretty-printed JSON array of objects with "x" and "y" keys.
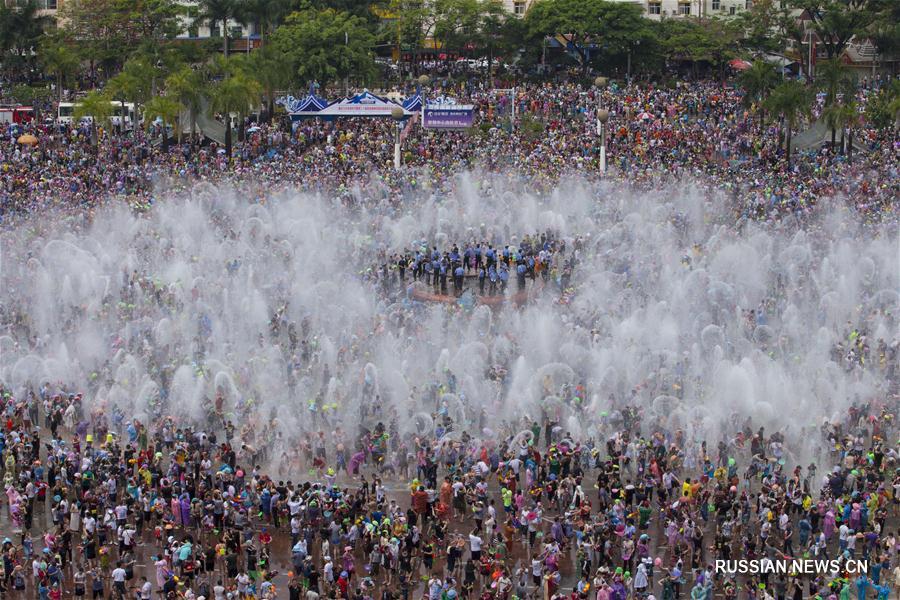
[
  {"x": 90, "y": 524},
  {"x": 475, "y": 545},
  {"x": 219, "y": 591},
  {"x": 146, "y": 589},
  {"x": 243, "y": 582},
  {"x": 118, "y": 577}
]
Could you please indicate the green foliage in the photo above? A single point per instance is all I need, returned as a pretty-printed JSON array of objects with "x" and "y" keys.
[
  {"x": 757, "y": 82},
  {"x": 58, "y": 59},
  {"x": 96, "y": 104},
  {"x": 186, "y": 86},
  {"x": 883, "y": 111},
  {"x": 791, "y": 100},
  {"x": 166, "y": 109},
  {"x": 713, "y": 41},
  {"x": 268, "y": 68},
  {"x": 109, "y": 31},
  {"x": 27, "y": 94},
  {"x": 326, "y": 46},
  {"x": 216, "y": 14},
  {"x": 834, "y": 78},
  {"x": 613, "y": 25},
  {"x": 266, "y": 14},
  {"x": 531, "y": 128},
  {"x": 21, "y": 30},
  {"x": 236, "y": 93},
  {"x": 837, "y": 21}
]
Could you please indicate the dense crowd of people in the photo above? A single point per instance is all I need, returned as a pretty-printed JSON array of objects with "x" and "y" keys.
[
  {"x": 112, "y": 507},
  {"x": 699, "y": 130},
  {"x": 638, "y": 501}
]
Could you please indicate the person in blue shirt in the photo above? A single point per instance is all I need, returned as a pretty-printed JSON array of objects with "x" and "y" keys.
[
  {"x": 520, "y": 275},
  {"x": 492, "y": 274},
  {"x": 445, "y": 267},
  {"x": 436, "y": 272},
  {"x": 504, "y": 278},
  {"x": 482, "y": 275},
  {"x": 490, "y": 256},
  {"x": 862, "y": 587},
  {"x": 458, "y": 274}
]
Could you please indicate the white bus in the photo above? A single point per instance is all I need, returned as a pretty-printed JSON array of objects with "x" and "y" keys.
[{"x": 121, "y": 114}]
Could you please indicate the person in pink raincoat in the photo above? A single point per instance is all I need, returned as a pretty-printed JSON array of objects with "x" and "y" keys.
[
  {"x": 15, "y": 505},
  {"x": 828, "y": 524}
]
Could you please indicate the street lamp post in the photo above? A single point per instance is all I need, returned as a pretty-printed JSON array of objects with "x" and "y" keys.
[
  {"x": 424, "y": 80},
  {"x": 602, "y": 118},
  {"x": 397, "y": 114}
]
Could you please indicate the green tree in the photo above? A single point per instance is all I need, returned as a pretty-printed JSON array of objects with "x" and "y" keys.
[
  {"x": 712, "y": 41},
  {"x": 156, "y": 20},
  {"x": 106, "y": 31},
  {"x": 791, "y": 100},
  {"x": 574, "y": 20},
  {"x": 457, "y": 23},
  {"x": 407, "y": 24},
  {"x": 132, "y": 84},
  {"x": 491, "y": 32},
  {"x": 235, "y": 93},
  {"x": 185, "y": 86},
  {"x": 757, "y": 82},
  {"x": 836, "y": 22},
  {"x": 266, "y": 15},
  {"x": 21, "y": 29},
  {"x": 215, "y": 12},
  {"x": 836, "y": 81},
  {"x": 326, "y": 45},
  {"x": 58, "y": 59},
  {"x": 167, "y": 110},
  {"x": 613, "y": 26},
  {"x": 96, "y": 106},
  {"x": 883, "y": 110},
  {"x": 761, "y": 27},
  {"x": 268, "y": 67}
]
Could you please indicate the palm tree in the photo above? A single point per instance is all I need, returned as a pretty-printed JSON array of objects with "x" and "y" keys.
[
  {"x": 265, "y": 14},
  {"x": 21, "y": 29},
  {"x": 236, "y": 93},
  {"x": 791, "y": 100},
  {"x": 167, "y": 109},
  {"x": 834, "y": 78},
  {"x": 98, "y": 107},
  {"x": 185, "y": 86},
  {"x": 213, "y": 12},
  {"x": 127, "y": 85},
  {"x": 270, "y": 70},
  {"x": 757, "y": 82},
  {"x": 833, "y": 115},
  {"x": 58, "y": 59}
]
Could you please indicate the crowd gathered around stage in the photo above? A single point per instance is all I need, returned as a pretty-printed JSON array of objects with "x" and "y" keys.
[
  {"x": 640, "y": 502},
  {"x": 656, "y": 134}
]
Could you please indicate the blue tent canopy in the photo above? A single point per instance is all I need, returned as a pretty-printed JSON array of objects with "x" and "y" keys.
[
  {"x": 413, "y": 103},
  {"x": 306, "y": 106}
]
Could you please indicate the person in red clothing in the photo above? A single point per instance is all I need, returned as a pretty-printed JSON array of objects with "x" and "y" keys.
[
  {"x": 343, "y": 584},
  {"x": 420, "y": 501}
]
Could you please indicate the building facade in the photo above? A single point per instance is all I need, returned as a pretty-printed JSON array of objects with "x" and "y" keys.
[
  {"x": 46, "y": 7},
  {"x": 660, "y": 9}
]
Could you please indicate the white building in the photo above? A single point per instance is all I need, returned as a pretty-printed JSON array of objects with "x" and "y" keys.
[
  {"x": 236, "y": 31},
  {"x": 659, "y": 9}
]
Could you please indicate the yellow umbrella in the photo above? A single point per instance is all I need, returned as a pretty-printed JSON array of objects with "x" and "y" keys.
[{"x": 27, "y": 139}]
